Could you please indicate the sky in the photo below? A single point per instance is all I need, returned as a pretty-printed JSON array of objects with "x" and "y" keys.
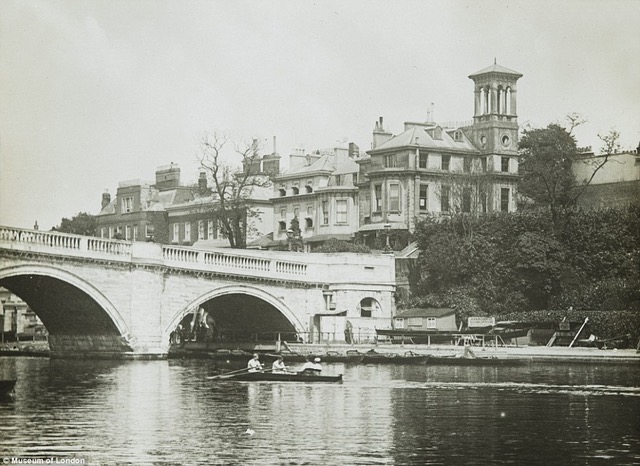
[{"x": 97, "y": 92}]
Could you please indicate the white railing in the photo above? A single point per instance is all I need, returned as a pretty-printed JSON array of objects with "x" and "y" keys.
[
  {"x": 240, "y": 263},
  {"x": 321, "y": 268},
  {"x": 45, "y": 238}
]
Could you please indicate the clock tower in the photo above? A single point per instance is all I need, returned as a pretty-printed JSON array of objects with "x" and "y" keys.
[{"x": 495, "y": 123}]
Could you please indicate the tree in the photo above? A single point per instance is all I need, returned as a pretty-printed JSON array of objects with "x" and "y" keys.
[
  {"x": 547, "y": 156},
  {"x": 232, "y": 186},
  {"x": 294, "y": 235},
  {"x": 80, "y": 224}
]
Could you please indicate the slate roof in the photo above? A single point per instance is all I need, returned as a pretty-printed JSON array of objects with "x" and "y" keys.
[
  {"x": 495, "y": 68},
  {"x": 425, "y": 312},
  {"x": 425, "y": 140}
]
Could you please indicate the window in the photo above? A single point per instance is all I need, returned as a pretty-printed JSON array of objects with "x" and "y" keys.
[
  {"x": 466, "y": 200},
  {"x": 504, "y": 164},
  {"x": 308, "y": 222},
  {"x": 187, "y": 232},
  {"x": 282, "y": 226},
  {"x": 445, "y": 162},
  {"x": 483, "y": 164},
  {"x": 339, "y": 180},
  {"x": 444, "y": 198},
  {"x": 424, "y": 190},
  {"x": 354, "y": 178},
  {"x": 390, "y": 161},
  {"x": 283, "y": 213},
  {"x": 341, "y": 211},
  {"x": 504, "y": 199},
  {"x": 431, "y": 322},
  {"x": 149, "y": 231},
  {"x": 210, "y": 229},
  {"x": 283, "y": 192},
  {"x": 377, "y": 193},
  {"x": 200, "y": 229},
  {"x": 325, "y": 213},
  {"x": 423, "y": 159},
  {"x": 399, "y": 323},
  {"x": 394, "y": 197},
  {"x": 110, "y": 232},
  {"x": 457, "y": 136},
  {"x": 103, "y": 232},
  {"x": 296, "y": 211},
  {"x": 466, "y": 164},
  {"x": 367, "y": 307},
  {"x": 295, "y": 190},
  {"x": 127, "y": 232},
  {"x": 135, "y": 233},
  {"x": 309, "y": 188},
  {"x": 127, "y": 204}
]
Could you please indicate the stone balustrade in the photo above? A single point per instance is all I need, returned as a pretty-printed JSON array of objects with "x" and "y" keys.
[{"x": 281, "y": 265}]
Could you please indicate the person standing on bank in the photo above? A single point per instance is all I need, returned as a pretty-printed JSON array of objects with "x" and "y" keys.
[{"x": 254, "y": 364}]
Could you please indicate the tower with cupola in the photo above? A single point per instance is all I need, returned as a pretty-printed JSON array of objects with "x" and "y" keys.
[{"x": 495, "y": 121}]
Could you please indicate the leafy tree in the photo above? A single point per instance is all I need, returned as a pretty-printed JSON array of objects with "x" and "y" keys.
[
  {"x": 294, "y": 235},
  {"x": 80, "y": 224},
  {"x": 547, "y": 156},
  {"x": 232, "y": 186},
  {"x": 520, "y": 262}
]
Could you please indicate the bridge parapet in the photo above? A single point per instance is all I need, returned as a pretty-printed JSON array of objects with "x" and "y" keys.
[
  {"x": 271, "y": 265},
  {"x": 63, "y": 243}
]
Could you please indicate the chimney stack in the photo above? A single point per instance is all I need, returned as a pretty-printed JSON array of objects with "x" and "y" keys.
[{"x": 106, "y": 198}]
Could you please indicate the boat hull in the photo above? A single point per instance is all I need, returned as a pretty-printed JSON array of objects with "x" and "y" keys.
[
  {"x": 286, "y": 377},
  {"x": 7, "y": 386},
  {"x": 481, "y": 361}
]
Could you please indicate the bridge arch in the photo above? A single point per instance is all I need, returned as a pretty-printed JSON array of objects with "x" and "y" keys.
[
  {"x": 13, "y": 278},
  {"x": 236, "y": 290}
]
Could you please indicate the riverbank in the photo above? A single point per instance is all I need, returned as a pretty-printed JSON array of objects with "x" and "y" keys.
[{"x": 532, "y": 353}]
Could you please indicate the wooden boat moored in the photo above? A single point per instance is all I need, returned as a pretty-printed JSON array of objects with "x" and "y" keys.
[{"x": 477, "y": 361}]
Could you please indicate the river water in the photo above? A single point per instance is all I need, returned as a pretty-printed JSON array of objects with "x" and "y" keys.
[{"x": 169, "y": 413}]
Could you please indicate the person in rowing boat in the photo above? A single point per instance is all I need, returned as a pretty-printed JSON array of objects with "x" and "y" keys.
[
  {"x": 311, "y": 367},
  {"x": 254, "y": 364},
  {"x": 278, "y": 366}
]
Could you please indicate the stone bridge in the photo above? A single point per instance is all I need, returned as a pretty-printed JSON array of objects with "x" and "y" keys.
[{"x": 107, "y": 297}]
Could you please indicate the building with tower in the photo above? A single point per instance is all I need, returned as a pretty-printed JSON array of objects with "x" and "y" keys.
[{"x": 438, "y": 169}]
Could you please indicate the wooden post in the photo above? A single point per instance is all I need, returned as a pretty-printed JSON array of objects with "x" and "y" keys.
[{"x": 579, "y": 331}]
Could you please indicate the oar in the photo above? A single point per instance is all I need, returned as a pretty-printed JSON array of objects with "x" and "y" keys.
[{"x": 228, "y": 374}]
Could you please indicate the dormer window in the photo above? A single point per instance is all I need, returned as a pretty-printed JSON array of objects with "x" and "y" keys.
[{"x": 457, "y": 136}]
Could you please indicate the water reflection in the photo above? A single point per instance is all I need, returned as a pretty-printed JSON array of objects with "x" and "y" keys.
[{"x": 167, "y": 412}]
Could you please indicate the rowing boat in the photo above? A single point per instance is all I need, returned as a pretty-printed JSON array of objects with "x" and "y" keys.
[
  {"x": 286, "y": 377},
  {"x": 373, "y": 357}
]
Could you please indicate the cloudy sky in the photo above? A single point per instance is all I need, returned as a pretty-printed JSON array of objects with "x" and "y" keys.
[{"x": 97, "y": 92}]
